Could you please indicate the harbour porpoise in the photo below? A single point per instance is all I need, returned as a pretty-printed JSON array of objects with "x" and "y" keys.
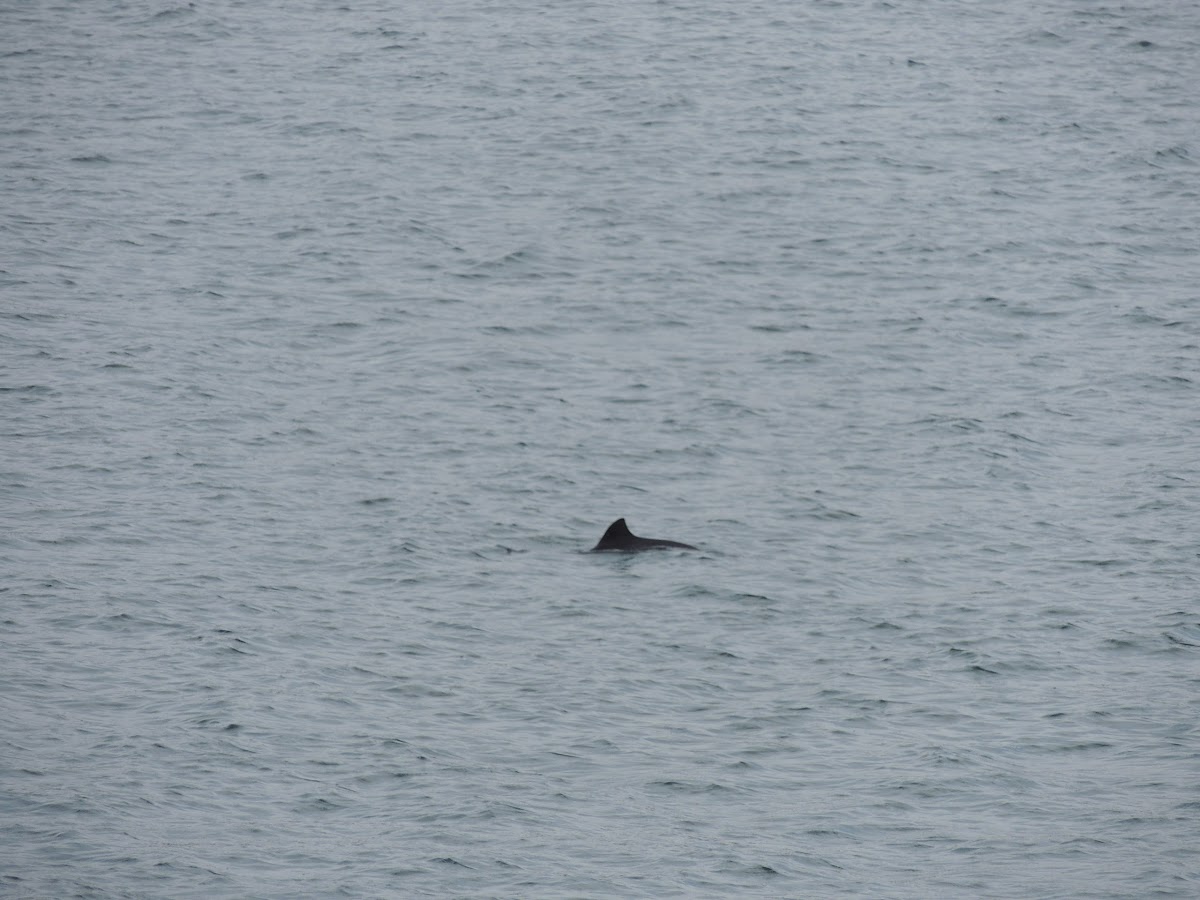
[{"x": 620, "y": 538}]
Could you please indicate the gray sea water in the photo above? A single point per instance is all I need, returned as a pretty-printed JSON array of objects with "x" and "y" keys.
[{"x": 333, "y": 335}]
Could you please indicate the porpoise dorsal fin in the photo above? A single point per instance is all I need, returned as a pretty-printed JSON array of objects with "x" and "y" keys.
[{"x": 617, "y": 537}]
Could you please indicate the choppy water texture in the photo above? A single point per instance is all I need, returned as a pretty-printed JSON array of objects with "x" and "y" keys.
[{"x": 332, "y": 335}]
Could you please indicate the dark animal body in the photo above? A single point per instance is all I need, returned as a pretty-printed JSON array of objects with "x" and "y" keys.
[{"x": 620, "y": 538}]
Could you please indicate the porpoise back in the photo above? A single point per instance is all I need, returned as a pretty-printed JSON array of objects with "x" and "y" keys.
[{"x": 620, "y": 539}]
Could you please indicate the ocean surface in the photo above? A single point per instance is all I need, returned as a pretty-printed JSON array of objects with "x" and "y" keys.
[{"x": 333, "y": 336}]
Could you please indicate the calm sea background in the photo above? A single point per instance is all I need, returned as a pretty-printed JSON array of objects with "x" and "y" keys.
[{"x": 332, "y": 335}]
